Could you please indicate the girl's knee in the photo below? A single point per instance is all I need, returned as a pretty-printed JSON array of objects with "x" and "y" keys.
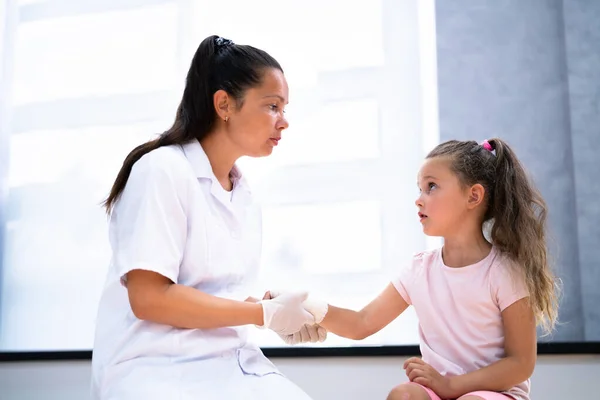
[
  {"x": 407, "y": 392},
  {"x": 400, "y": 392}
]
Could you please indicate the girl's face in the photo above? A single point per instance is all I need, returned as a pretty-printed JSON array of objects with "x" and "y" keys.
[{"x": 443, "y": 202}]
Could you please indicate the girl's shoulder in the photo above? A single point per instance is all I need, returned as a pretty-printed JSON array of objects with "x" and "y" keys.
[{"x": 427, "y": 256}]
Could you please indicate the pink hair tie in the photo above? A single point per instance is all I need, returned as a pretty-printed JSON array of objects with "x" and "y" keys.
[{"x": 486, "y": 145}]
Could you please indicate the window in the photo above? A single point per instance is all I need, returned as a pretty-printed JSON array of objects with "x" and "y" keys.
[{"x": 87, "y": 81}]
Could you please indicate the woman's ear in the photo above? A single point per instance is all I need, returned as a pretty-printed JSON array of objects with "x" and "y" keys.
[{"x": 223, "y": 105}]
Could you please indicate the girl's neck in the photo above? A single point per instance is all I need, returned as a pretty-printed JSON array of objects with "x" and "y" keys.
[{"x": 466, "y": 250}]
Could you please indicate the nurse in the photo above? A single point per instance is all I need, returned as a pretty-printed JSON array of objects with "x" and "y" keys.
[{"x": 186, "y": 238}]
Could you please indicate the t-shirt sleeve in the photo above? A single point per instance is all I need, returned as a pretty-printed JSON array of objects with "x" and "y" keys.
[
  {"x": 150, "y": 222},
  {"x": 508, "y": 285},
  {"x": 403, "y": 280}
]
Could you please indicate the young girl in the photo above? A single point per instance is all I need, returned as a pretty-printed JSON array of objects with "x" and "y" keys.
[{"x": 478, "y": 300}]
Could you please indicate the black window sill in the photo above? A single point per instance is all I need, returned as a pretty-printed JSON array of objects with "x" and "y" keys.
[{"x": 308, "y": 352}]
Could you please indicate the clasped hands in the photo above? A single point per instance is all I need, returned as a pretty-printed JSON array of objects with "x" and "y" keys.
[{"x": 294, "y": 317}]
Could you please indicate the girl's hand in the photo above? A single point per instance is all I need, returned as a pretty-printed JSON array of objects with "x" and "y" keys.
[{"x": 418, "y": 371}]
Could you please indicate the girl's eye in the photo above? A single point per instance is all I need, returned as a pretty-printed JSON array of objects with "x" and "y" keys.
[{"x": 431, "y": 186}]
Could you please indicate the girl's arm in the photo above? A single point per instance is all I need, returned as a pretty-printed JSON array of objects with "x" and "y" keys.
[
  {"x": 520, "y": 345},
  {"x": 516, "y": 367},
  {"x": 371, "y": 319}
]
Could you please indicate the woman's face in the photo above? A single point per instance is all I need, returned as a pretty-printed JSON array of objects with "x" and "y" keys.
[{"x": 256, "y": 124}]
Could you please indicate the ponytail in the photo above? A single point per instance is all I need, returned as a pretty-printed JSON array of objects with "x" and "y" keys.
[{"x": 519, "y": 215}]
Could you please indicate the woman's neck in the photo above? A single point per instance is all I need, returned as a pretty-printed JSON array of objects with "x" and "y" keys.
[{"x": 222, "y": 158}]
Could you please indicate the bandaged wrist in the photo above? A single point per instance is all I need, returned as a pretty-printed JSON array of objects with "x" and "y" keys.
[{"x": 318, "y": 308}]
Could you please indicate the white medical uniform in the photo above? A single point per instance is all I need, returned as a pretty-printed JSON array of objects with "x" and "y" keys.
[{"x": 174, "y": 218}]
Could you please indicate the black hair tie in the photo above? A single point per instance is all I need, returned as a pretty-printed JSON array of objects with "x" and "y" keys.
[{"x": 221, "y": 43}]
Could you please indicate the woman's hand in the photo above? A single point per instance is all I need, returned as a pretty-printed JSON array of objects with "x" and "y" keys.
[
  {"x": 312, "y": 333},
  {"x": 285, "y": 313}
]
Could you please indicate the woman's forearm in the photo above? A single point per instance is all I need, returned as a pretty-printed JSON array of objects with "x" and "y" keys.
[{"x": 185, "y": 307}]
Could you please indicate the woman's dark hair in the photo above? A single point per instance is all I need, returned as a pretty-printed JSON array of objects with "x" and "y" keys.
[
  {"x": 217, "y": 64},
  {"x": 516, "y": 211}
]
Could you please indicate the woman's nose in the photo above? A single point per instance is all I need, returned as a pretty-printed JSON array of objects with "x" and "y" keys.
[{"x": 283, "y": 123}]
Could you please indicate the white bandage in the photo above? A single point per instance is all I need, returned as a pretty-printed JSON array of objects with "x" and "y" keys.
[{"x": 317, "y": 308}]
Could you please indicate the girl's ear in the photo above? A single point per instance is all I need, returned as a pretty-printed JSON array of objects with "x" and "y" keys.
[{"x": 476, "y": 196}]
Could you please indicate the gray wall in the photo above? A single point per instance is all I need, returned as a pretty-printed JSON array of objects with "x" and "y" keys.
[
  {"x": 582, "y": 29},
  {"x": 529, "y": 72}
]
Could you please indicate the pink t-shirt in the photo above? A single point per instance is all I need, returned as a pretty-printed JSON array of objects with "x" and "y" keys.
[{"x": 459, "y": 311}]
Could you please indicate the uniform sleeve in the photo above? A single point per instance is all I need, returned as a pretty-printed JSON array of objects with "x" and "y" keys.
[
  {"x": 508, "y": 285},
  {"x": 403, "y": 280},
  {"x": 150, "y": 222}
]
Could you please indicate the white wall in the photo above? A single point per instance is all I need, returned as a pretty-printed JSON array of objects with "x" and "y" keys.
[{"x": 323, "y": 378}]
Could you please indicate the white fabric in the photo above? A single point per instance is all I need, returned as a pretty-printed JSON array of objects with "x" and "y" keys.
[
  {"x": 172, "y": 219},
  {"x": 212, "y": 379}
]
